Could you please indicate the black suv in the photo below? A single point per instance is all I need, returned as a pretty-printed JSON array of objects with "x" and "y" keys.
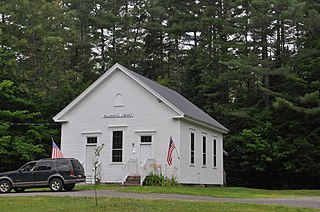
[{"x": 54, "y": 173}]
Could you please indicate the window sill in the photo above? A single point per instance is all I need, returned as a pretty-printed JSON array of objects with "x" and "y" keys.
[
  {"x": 116, "y": 163},
  {"x": 204, "y": 167},
  {"x": 192, "y": 165}
]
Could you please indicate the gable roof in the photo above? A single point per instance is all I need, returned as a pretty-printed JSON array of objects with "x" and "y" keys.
[{"x": 173, "y": 99}]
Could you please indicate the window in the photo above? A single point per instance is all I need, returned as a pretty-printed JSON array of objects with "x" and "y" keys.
[
  {"x": 146, "y": 139},
  {"x": 204, "y": 150},
  {"x": 192, "y": 149},
  {"x": 43, "y": 165},
  {"x": 92, "y": 140},
  {"x": 63, "y": 165},
  {"x": 214, "y": 153},
  {"x": 117, "y": 146}
]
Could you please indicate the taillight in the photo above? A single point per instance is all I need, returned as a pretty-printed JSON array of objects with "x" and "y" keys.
[{"x": 71, "y": 173}]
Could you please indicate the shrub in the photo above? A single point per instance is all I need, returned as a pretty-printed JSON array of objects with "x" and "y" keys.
[{"x": 160, "y": 180}]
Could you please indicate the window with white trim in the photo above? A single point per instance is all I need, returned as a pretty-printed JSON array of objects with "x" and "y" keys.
[
  {"x": 92, "y": 140},
  {"x": 214, "y": 153},
  {"x": 117, "y": 143},
  {"x": 146, "y": 139},
  {"x": 192, "y": 148},
  {"x": 204, "y": 150}
]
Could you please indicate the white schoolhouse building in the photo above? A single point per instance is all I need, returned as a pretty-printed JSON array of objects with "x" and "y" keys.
[{"x": 134, "y": 118}]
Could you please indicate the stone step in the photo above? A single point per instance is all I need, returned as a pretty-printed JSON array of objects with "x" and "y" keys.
[
  {"x": 133, "y": 178},
  {"x": 132, "y": 181}
]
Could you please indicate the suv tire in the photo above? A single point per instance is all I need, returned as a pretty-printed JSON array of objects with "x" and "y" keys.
[
  {"x": 69, "y": 187},
  {"x": 19, "y": 190},
  {"x": 5, "y": 186},
  {"x": 56, "y": 184}
]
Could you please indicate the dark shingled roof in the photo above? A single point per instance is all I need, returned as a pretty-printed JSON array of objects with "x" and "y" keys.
[{"x": 189, "y": 109}]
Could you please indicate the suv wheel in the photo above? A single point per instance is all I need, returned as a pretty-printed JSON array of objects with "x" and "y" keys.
[
  {"x": 5, "y": 186},
  {"x": 69, "y": 187},
  {"x": 56, "y": 185},
  {"x": 18, "y": 190}
]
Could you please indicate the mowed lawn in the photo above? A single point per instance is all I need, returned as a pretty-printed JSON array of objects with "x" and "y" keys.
[
  {"x": 45, "y": 203},
  {"x": 228, "y": 192}
]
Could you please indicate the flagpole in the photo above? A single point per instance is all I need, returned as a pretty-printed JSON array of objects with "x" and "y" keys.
[
  {"x": 52, "y": 141},
  {"x": 177, "y": 153}
]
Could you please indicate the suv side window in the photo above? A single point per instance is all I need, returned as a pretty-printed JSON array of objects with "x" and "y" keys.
[
  {"x": 43, "y": 165},
  {"x": 63, "y": 165},
  {"x": 76, "y": 164}
]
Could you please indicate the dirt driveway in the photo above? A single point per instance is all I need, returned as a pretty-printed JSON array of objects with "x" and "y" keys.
[{"x": 306, "y": 202}]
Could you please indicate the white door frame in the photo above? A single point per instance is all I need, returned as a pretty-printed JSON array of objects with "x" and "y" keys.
[{"x": 140, "y": 133}]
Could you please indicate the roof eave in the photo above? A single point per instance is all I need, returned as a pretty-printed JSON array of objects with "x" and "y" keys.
[
  {"x": 60, "y": 120},
  {"x": 202, "y": 123},
  {"x": 165, "y": 101}
]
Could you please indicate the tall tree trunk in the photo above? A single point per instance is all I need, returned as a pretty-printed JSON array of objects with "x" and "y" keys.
[
  {"x": 103, "y": 57},
  {"x": 113, "y": 38},
  {"x": 176, "y": 44},
  {"x": 266, "y": 76}
]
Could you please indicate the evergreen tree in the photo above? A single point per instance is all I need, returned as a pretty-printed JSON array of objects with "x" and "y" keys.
[
  {"x": 19, "y": 142},
  {"x": 251, "y": 64}
]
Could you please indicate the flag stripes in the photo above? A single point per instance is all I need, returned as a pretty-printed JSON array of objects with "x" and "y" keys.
[
  {"x": 172, "y": 146},
  {"x": 56, "y": 152}
]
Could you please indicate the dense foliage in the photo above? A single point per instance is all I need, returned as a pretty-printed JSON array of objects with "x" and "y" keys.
[{"x": 251, "y": 64}]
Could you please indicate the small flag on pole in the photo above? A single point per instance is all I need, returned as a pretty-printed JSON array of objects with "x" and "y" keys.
[
  {"x": 56, "y": 152},
  {"x": 170, "y": 150}
]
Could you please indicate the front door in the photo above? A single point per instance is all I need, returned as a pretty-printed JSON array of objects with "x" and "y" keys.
[
  {"x": 145, "y": 148},
  {"x": 90, "y": 158},
  {"x": 145, "y": 152}
]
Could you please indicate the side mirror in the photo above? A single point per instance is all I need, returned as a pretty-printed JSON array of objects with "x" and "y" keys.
[{"x": 20, "y": 170}]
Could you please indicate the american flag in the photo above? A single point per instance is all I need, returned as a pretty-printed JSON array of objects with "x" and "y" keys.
[
  {"x": 170, "y": 150},
  {"x": 56, "y": 152}
]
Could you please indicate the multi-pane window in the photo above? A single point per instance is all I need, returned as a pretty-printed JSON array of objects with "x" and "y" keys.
[
  {"x": 204, "y": 150},
  {"x": 146, "y": 139},
  {"x": 214, "y": 153},
  {"x": 192, "y": 149},
  {"x": 117, "y": 146},
  {"x": 92, "y": 140}
]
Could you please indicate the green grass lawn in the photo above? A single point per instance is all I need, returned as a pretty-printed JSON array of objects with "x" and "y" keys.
[
  {"x": 231, "y": 192},
  {"x": 118, "y": 204}
]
